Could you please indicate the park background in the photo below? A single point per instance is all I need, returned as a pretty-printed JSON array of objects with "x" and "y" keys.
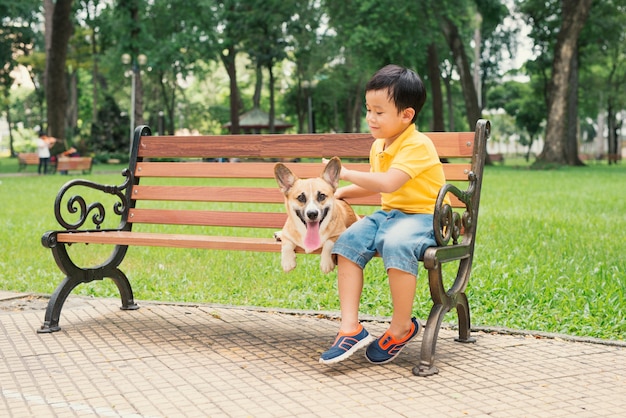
[{"x": 550, "y": 244}]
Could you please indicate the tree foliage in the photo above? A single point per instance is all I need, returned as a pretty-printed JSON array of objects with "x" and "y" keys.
[{"x": 210, "y": 60}]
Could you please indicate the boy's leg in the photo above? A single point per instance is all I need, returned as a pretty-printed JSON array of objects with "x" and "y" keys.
[
  {"x": 352, "y": 336},
  {"x": 353, "y": 250},
  {"x": 401, "y": 242},
  {"x": 403, "y": 328},
  {"x": 350, "y": 287},
  {"x": 402, "y": 285}
]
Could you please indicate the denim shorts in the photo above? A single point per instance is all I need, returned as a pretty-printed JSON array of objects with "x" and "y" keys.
[{"x": 399, "y": 238}]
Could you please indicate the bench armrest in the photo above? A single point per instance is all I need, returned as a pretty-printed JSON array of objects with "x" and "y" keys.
[
  {"x": 450, "y": 224},
  {"x": 73, "y": 212}
]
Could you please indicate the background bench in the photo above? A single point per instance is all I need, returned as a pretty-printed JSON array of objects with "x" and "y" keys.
[
  {"x": 497, "y": 158},
  {"x": 168, "y": 187},
  {"x": 25, "y": 159},
  {"x": 83, "y": 164}
]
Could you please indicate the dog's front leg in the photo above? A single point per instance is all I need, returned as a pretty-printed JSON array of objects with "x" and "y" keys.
[
  {"x": 288, "y": 255},
  {"x": 326, "y": 263}
]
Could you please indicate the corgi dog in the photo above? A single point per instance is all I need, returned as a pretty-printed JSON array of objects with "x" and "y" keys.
[{"x": 315, "y": 219}]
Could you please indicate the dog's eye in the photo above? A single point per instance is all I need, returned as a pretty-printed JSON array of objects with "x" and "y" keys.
[
  {"x": 302, "y": 198},
  {"x": 321, "y": 197}
]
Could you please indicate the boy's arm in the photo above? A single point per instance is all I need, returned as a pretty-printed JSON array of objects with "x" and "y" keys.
[
  {"x": 352, "y": 191},
  {"x": 386, "y": 182}
]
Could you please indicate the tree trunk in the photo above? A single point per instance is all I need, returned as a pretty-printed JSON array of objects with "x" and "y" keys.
[
  {"x": 451, "y": 33},
  {"x": 575, "y": 13},
  {"x": 48, "y": 11},
  {"x": 229, "y": 64},
  {"x": 258, "y": 87},
  {"x": 435, "y": 89},
  {"x": 94, "y": 78},
  {"x": 9, "y": 123},
  {"x": 272, "y": 115},
  {"x": 571, "y": 151},
  {"x": 138, "y": 85},
  {"x": 71, "y": 115},
  {"x": 449, "y": 103},
  {"x": 357, "y": 109},
  {"x": 612, "y": 155},
  {"x": 56, "y": 84}
]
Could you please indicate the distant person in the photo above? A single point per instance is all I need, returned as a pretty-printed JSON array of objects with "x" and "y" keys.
[
  {"x": 44, "y": 143},
  {"x": 70, "y": 153}
]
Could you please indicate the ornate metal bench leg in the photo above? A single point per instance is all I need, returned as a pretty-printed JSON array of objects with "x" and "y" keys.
[
  {"x": 55, "y": 304},
  {"x": 426, "y": 365},
  {"x": 126, "y": 291},
  {"x": 76, "y": 275},
  {"x": 463, "y": 312}
]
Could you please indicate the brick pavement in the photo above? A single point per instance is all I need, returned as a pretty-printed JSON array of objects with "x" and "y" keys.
[{"x": 168, "y": 360}]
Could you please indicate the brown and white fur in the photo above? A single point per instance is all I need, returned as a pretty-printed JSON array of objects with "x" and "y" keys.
[{"x": 314, "y": 217}]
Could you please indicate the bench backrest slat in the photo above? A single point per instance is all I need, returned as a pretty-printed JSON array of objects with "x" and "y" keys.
[
  {"x": 449, "y": 145},
  {"x": 261, "y": 170},
  {"x": 231, "y": 194},
  {"x": 208, "y": 218},
  {"x": 74, "y": 163}
]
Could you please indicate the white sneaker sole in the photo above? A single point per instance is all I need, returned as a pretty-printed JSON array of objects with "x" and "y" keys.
[{"x": 356, "y": 347}]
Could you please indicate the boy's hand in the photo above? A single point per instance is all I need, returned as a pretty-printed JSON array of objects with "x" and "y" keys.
[{"x": 343, "y": 169}]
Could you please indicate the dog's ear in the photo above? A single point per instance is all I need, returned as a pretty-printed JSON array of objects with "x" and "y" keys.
[
  {"x": 284, "y": 177},
  {"x": 332, "y": 171}
]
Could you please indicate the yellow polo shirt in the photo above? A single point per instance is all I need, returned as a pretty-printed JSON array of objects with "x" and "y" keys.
[{"x": 415, "y": 154}]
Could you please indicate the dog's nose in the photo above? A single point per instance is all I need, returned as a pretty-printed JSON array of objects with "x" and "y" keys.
[{"x": 312, "y": 214}]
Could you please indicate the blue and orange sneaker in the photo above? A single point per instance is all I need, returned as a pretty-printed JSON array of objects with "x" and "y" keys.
[
  {"x": 345, "y": 345},
  {"x": 386, "y": 348}
]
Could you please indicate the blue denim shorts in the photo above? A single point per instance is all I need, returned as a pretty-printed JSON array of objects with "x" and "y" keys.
[{"x": 399, "y": 238}]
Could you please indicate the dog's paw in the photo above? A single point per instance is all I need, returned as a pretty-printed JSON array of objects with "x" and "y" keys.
[
  {"x": 288, "y": 262},
  {"x": 278, "y": 236},
  {"x": 327, "y": 265}
]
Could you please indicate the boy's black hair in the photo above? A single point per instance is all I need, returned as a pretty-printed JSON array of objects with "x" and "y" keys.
[{"x": 404, "y": 86}]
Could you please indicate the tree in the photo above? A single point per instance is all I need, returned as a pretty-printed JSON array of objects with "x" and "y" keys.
[
  {"x": 603, "y": 76},
  {"x": 556, "y": 149},
  {"x": 310, "y": 50},
  {"x": 518, "y": 100},
  {"x": 56, "y": 85},
  {"x": 231, "y": 18},
  {"x": 266, "y": 43},
  {"x": 16, "y": 41}
]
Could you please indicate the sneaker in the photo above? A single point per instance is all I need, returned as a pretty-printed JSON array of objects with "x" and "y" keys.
[
  {"x": 386, "y": 348},
  {"x": 345, "y": 345}
]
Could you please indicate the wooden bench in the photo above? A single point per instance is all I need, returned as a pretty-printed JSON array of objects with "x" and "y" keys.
[
  {"x": 497, "y": 158},
  {"x": 161, "y": 176},
  {"x": 31, "y": 158},
  {"x": 65, "y": 164}
]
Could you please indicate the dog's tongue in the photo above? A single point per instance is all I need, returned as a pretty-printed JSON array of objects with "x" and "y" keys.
[{"x": 312, "y": 240}]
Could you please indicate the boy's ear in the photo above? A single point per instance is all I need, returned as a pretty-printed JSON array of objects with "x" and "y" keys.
[{"x": 408, "y": 113}]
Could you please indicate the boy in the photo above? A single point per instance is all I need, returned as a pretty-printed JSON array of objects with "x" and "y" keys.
[{"x": 406, "y": 171}]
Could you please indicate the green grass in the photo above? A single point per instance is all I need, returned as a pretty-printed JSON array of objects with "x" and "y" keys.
[{"x": 549, "y": 256}]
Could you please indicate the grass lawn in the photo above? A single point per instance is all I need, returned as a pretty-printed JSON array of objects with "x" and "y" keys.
[{"x": 549, "y": 257}]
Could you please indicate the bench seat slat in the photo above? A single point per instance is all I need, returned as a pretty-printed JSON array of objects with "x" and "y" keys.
[{"x": 171, "y": 240}]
